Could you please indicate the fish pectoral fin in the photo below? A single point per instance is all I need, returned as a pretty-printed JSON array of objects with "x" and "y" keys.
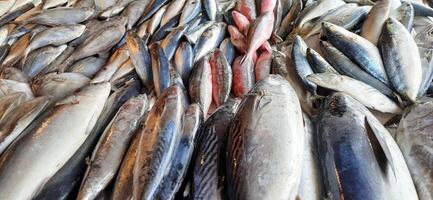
[{"x": 379, "y": 145}]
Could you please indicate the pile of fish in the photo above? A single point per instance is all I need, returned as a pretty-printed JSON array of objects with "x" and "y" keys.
[{"x": 216, "y": 99}]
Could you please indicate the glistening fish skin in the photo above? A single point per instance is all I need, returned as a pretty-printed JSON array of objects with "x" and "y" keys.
[
  {"x": 415, "y": 144},
  {"x": 59, "y": 85},
  {"x": 112, "y": 146},
  {"x": 303, "y": 68},
  {"x": 151, "y": 8},
  {"x": 39, "y": 59},
  {"x": 140, "y": 57},
  {"x": 318, "y": 63},
  {"x": 209, "y": 40},
  {"x": 243, "y": 76},
  {"x": 221, "y": 77},
  {"x": 171, "y": 42},
  {"x": 64, "y": 182},
  {"x": 160, "y": 68},
  {"x": 61, "y": 16},
  {"x": 404, "y": 14},
  {"x": 401, "y": 58},
  {"x": 209, "y": 164},
  {"x": 191, "y": 123},
  {"x": 270, "y": 114},
  {"x": 200, "y": 84},
  {"x": 191, "y": 9},
  {"x": 50, "y": 136},
  {"x": 358, "y": 49},
  {"x": 158, "y": 141},
  {"x": 183, "y": 60},
  {"x": 372, "y": 26}
]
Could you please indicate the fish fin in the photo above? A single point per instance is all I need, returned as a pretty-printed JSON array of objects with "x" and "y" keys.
[
  {"x": 68, "y": 100},
  {"x": 276, "y": 38},
  {"x": 247, "y": 58},
  {"x": 378, "y": 143}
]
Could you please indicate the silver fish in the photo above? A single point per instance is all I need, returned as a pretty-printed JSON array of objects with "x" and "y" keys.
[
  {"x": 209, "y": 40},
  {"x": 10, "y": 86},
  {"x": 59, "y": 85},
  {"x": 191, "y": 9},
  {"x": 52, "y": 135},
  {"x": 88, "y": 66},
  {"x": 372, "y": 26},
  {"x": 119, "y": 57},
  {"x": 61, "y": 16},
  {"x": 39, "y": 59},
  {"x": 200, "y": 85}
]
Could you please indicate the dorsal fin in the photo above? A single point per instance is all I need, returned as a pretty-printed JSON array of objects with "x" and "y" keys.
[{"x": 377, "y": 139}]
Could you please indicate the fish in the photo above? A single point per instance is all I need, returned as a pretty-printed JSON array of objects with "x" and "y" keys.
[
  {"x": 287, "y": 22},
  {"x": 200, "y": 84},
  {"x": 88, "y": 66},
  {"x": 9, "y": 104},
  {"x": 157, "y": 145},
  {"x": 114, "y": 9},
  {"x": 221, "y": 77},
  {"x": 372, "y": 26},
  {"x": 208, "y": 181},
  {"x": 140, "y": 57},
  {"x": 404, "y": 14},
  {"x": 190, "y": 10},
  {"x": 54, "y": 36},
  {"x": 210, "y": 7},
  {"x": 59, "y": 85},
  {"x": 316, "y": 9},
  {"x": 112, "y": 146},
  {"x": 160, "y": 68},
  {"x": 193, "y": 33},
  {"x": 259, "y": 32},
  {"x": 55, "y": 64},
  {"x": 278, "y": 165},
  {"x": 247, "y": 8},
  {"x": 61, "y": 16},
  {"x": 125, "y": 69},
  {"x": 241, "y": 21},
  {"x": 318, "y": 63},
  {"x": 311, "y": 186},
  {"x": 151, "y": 8},
  {"x": 5, "y": 6},
  {"x": 13, "y": 73},
  {"x": 133, "y": 12},
  {"x": 183, "y": 60},
  {"x": 381, "y": 168},
  {"x": 39, "y": 59},
  {"x": 303, "y": 68},
  {"x": 163, "y": 31},
  {"x": 358, "y": 49},
  {"x": 412, "y": 137},
  {"x": 345, "y": 66},
  {"x": 122, "y": 184},
  {"x": 8, "y": 87},
  {"x": 173, "y": 9},
  {"x": 100, "y": 42},
  {"x": 171, "y": 42},
  {"x": 263, "y": 65},
  {"x": 63, "y": 184},
  {"x": 154, "y": 22},
  {"x": 421, "y": 10},
  {"x": 228, "y": 49},
  {"x": 243, "y": 77},
  {"x": 192, "y": 121},
  {"x": 401, "y": 59},
  {"x": 41, "y": 141},
  {"x": 209, "y": 40},
  {"x": 16, "y": 50},
  {"x": 16, "y": 13},
  {"x": 22, "y": 117},
  {"x": 362, "y": 92},
  {"x": 116, "y": 59}
]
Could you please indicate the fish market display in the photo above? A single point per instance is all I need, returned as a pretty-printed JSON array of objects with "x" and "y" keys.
[{"x": 216, "y": 99}]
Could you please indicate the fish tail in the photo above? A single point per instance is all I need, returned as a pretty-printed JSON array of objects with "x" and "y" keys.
[{"x": 247, "y": 58}]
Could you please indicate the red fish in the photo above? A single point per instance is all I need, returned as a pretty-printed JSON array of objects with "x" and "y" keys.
[
  {"x": 247, "y": 8},
  {"x": 259, "y": 32},
  {"x": 243, "y": 76},
  {"x": 263, "y": 65},
  {"x": 221, "y": 77}
]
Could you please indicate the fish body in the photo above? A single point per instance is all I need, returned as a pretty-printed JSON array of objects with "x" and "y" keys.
[
  {"x": 221, "y": 77},
  {"x": 200, "y": 84}
]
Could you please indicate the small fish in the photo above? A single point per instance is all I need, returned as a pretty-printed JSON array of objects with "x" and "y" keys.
[
  {"x": 191, "y": 9},
  {"x": 404, "y": 14},
  {"x": 228, "y": 49},
  {"x": 247, "y": 8},
  {"x": 163, "y": 31},
  {"x": 38, "y": 60},
  {"x": 191, "y": 123},
  {"x": 209, "y": 40},
  {"x": 133, "y": 12},
  {"x": 259, "y": 32},
  {"x": 59, "y": 85},
  {"x": 160, "y": 68},
  {"x": 345, "y": 66},
  {"x": 183, "y": 60},
  {"x": 287, "y": 22},
  {"x": 171, "y": 42},
  {"x": 303, "y": 68},
  {"x": 112, "y": 146},
  {"x": 9, "y": 104},
  {"x": 13, "y": 73},
  {"x": 51, "y": 135},
  {"x": 269, "y": 115},
  {"x": 157, "y": 145},
  {"x": 193, "y": 34},
  {"x": 372, "y": 26},
  {"x": 125, "y": 69},
  {"x": 151, "y": 8},
  {"x": 221, "y": 77},
  {"x": 154, "y": 22},
  {"x": 318, "y": 63},
  {"x": 200, "y": 84},
  {"x": 358, "y": 49},
  {"x": 401, "y": 59},
  {"x": 210, "y": 7},
  {"x": 16, "y": 13},
  {"x": 61, "y": 16},
  {"x": 173, "y": 9},
  {"x": 55, "y": 36},
  {"x": 140, "y": 57},
  {"x": 262, "y": 68},
  {"x": 5, "y": 6},
  {"x": 16, "y": 51},
  {"x": 243, "y": 77},
  {"x": 88, "y": 66},
  {"x": 209, "y": 179},
  {"x": 241, "y": 22},
  {"x": 364, "y": 93}
]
